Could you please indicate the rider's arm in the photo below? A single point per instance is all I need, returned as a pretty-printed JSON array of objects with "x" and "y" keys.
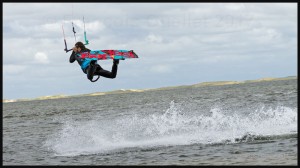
[{"x": 72, "y": 57}]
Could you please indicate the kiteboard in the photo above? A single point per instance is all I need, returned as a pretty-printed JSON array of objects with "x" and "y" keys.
[{"x": 108, "y": 54}]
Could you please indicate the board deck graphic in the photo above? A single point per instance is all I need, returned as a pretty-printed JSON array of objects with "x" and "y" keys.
[{"x": 109, "y": 54}]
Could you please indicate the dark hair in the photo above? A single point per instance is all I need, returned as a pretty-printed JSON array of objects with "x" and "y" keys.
[{"x": 80, "y": 44}]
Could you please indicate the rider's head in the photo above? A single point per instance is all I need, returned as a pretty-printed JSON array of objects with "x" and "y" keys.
[{"x": 80, "y": 46}]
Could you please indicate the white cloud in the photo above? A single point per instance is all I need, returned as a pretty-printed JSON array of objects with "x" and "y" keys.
[
  {"x": 95, "y": 26},
  {"x": 154, "y": 38},
  {"x": 41, "y": 57},
  {"x": 265, "y": 35},
  {"x": 51, "y": 27}
]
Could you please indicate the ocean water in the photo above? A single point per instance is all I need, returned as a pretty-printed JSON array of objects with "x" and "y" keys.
[{"x": 240, "y": 124}]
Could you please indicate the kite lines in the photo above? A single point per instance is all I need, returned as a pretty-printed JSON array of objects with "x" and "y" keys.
[{"x": 74, "y": 32}]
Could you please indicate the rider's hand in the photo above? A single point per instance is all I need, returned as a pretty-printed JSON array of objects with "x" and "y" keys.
[{"x": 74, "y": 49}]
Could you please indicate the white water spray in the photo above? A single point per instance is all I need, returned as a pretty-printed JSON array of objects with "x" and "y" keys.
[{"x": 173, "y": 127}]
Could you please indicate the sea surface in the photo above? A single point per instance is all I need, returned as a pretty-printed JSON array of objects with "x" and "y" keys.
[{"x": 239, "y": 124}]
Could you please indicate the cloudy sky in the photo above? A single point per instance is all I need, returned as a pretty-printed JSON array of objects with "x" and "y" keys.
[{"x": 177, "y": 44}]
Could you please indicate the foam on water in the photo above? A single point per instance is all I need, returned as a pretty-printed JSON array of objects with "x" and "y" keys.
[{"x": 173, "y": 127}]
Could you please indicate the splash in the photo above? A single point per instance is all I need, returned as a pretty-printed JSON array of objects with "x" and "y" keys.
[{"x": 173, "y": 127}]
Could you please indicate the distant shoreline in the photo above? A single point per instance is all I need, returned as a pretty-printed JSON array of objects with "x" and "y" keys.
[{"x": 202, "y": 84}]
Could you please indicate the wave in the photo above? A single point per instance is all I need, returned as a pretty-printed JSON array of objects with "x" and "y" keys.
[{"x": 172, "y": 127}]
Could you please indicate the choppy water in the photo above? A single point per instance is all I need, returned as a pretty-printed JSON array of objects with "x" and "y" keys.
[{"x": 245, "y": 124}]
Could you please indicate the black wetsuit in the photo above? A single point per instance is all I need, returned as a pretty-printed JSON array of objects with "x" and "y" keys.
[{"x": 99, "y": 70}]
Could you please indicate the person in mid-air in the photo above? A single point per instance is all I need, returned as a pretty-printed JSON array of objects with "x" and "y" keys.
[{"x": 90, "y": 66}]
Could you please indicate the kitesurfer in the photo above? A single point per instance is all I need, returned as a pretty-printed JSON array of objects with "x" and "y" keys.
[{"x": 89, "y": 65}]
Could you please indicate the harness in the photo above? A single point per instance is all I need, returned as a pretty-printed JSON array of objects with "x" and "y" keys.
[{"x": 91, "y": 69}]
